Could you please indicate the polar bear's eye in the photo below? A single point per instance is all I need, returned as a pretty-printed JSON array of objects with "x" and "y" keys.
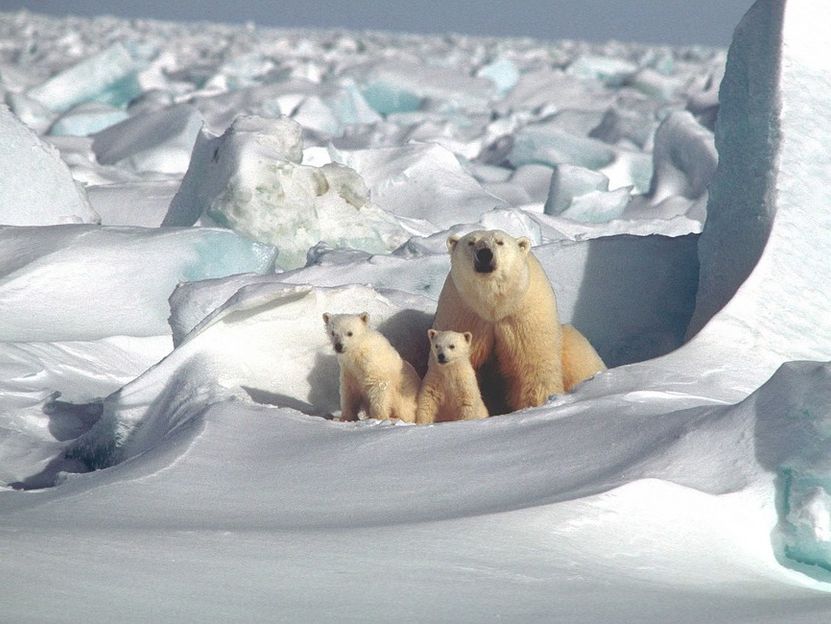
[
  {"x": 470, "y": 243},
  {"x": 499, "y": 242},
  {"x": 349, "y": 334},
  {"x": 452, "y": 346}
]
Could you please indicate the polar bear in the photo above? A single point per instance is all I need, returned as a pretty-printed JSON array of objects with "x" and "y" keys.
[
  {"x": 497, "y": 290},
  {"x": 449, "y": 390},
  {"x": 373, "y": 376}
]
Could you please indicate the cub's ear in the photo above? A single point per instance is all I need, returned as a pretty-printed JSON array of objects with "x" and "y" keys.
[
  {"x": 524, "y": 243},
  {"x": 365, "y": 317},
  {"x": 451, "y": 242},
  {"x": 468, "y": 337},
  {"x": 326, "y": 317},
  {"x": 431, "y": 333}
]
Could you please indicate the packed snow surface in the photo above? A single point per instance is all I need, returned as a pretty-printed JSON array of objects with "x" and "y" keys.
[{"x": 180, "y": 204}]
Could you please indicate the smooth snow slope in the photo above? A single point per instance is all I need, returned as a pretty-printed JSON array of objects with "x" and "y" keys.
[{"x": 690, "y": 487}]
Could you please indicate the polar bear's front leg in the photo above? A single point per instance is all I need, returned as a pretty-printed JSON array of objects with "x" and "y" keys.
[
  {"x": 380, "y": 401},
  {"x": 428, "y": 405},
  {"x": 530, "y": 361},
  {"x": 350, "y": 398}
]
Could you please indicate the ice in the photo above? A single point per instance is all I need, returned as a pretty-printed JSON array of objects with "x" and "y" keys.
[
  {"x": 619, "y": 125},
  {"x": 550, "y": 146},
  {"x": 137, "y": 203},
  {"x": 161, "y": 141},
  {"x": 684, "y": 157},
  {"x": 806, "y": 521},
  {"x": 250, "y": 179},
  {"x": 764, "y": 247},
  {"x": 29, "y": 111},
  {"x": 398, "y": 87},
  {"x": 87, "y": 118},
  {"x": 37, "y": 187},
  {"x": 541, "y": 88},
  {"x": 90, "y": 286},
  {"x": 109, "y": 76},
  {"x": 421, "y": 181},
  {"x": 690, "y": 481},
  {"x": 610, "y": 71},
  {"x": 569, "y": 182},
  {"x": 502, "y": 72}
]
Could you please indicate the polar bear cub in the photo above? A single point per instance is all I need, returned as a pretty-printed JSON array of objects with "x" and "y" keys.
[
  {"x": 373, "y": 376},
  {"x": 449, "y": 390}
]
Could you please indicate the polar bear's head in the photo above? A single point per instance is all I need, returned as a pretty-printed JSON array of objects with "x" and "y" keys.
[
  {"x": 449, "y": 346},
  {"x": 345, "y": 329},
  {"x": 488, "y": 252},
  {"x": 490, "y": 270}
]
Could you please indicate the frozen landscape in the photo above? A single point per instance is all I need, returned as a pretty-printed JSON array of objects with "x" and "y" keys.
[{"x": 181, "y": 204}]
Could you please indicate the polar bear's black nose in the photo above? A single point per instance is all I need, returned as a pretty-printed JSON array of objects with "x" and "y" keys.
[
  {"x": 339, "y": 347},
  {"x": 484, "y": 255},
  {"x": 483, "y": 260},
  {"x": 442, "y": 358}
]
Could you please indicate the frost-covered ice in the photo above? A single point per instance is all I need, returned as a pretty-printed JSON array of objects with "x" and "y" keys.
[{"x": 188, "y": 200}]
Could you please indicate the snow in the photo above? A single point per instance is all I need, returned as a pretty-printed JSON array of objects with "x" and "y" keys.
[{"x": 167, "y": 447}]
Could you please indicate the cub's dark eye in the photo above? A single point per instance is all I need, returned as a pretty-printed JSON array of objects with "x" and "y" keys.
[
  {"x": 500, "y": 242},
  {"x": 452, "y": 346},
  {"x": 470, "y": 243},
  {"x": 349, "y": 334}
]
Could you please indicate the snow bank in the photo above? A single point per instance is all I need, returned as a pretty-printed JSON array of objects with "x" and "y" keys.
[{"x": 265, "y": 342}]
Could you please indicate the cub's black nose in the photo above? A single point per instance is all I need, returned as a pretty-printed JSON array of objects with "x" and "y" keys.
[
  {"x": 442, "y": 358},
  {"x": 484, "y": 256},
  {"x": 339, "y": 347}
]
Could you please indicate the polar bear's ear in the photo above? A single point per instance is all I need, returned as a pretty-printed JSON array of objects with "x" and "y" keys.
[
  {"x": 468, "y": 337},
  {"x": 365, "y": 317},
  {"x": 524, "y": 243},
  {"x": 326, "y": 317},
  {"x": 431, "y": 333},
  {"x": 451, "y": 242}
]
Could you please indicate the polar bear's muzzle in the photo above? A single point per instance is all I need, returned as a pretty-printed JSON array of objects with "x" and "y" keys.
[{"x": 483, "y": 260}]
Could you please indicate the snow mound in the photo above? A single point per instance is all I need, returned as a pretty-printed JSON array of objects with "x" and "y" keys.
[{"x": 288, "y": 361}]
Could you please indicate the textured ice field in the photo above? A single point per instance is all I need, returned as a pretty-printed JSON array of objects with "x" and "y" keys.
[{"x": 181, "y": 203}]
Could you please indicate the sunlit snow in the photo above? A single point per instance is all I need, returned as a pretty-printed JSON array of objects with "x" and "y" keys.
[{"x": 180, "y": 204}]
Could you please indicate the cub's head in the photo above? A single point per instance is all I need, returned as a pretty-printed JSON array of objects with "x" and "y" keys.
[
  {"x": 344, "y": 329},
  {"x": 487, "y": 253},
  {"x": 448, "y": 346}
]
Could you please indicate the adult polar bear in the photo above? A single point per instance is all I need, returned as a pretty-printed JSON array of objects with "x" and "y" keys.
[{"x": 498, "y": 291}]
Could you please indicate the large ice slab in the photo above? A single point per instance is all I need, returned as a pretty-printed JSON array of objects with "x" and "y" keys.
[
  {"x": 160, "y": 141},
  {"x": 421, "y": 181},
  {"x": 250, "y": 179},
  {"x": 80, "y": 282},
  {"x": 764, "y": 251},
  {"x": 108, "y": 76},
  {"x": 37, "y": 187}
]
